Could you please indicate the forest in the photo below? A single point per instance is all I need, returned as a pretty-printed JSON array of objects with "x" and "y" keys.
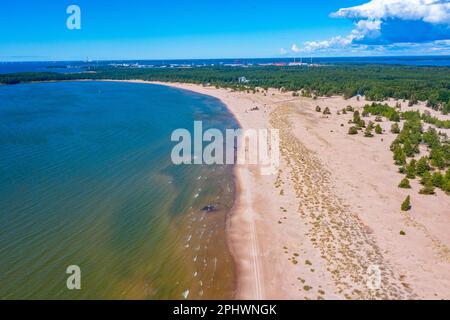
[{"x": 376, "y": 82}]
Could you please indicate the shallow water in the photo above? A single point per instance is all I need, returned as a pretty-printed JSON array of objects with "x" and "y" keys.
[{"x": 86, "y": 179}]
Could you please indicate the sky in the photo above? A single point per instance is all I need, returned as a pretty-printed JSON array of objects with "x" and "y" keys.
[{"x": 33, "y": 30}]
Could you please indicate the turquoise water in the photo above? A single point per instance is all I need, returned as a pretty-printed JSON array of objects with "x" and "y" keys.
[{"x": 86, "y": 179}]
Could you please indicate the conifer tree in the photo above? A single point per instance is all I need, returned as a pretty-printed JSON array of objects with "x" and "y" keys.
[
  {"x": 406, "y": 205},
  {"x": 404, "y": 184}
]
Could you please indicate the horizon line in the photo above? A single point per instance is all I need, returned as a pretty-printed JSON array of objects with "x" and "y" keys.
[{"x": 240, "y": 58}]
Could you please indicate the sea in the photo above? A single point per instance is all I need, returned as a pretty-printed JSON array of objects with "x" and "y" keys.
[
  {"x": 86, "y": 180},
  {"x": 80, "y": 66}
]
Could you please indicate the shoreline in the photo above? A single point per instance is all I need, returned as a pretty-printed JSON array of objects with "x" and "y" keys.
[
  {"x": 242, "y": 237},
  {"x": 275, "y": 243},
  {"x": 330, "y": 216}
]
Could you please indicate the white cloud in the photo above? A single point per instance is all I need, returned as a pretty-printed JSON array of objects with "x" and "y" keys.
[
  {"x": 431, "y": 11},
  {"x": 294, "y": 48},
  {"x": 389, "y": 22},
  {"x": 325, "y": 44},
  {"x": 283, "y": 51}
]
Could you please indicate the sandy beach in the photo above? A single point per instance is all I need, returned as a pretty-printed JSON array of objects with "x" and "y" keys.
[{"x": 330, "y": 221}]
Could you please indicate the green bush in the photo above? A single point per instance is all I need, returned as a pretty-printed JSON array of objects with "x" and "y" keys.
[
  {"x": 422, "y": 166},
  {"x": 438, "y": 180},
  {"x": 368, "y": 132},
  {"x": 406, "y": 205},
  {"x": 399, "y": 156},
  {"x": 404, "y": 184},
  {"x": 428, "y": 187},
  {"x": 353, "y": 130},
  {"x": 411, "y": 169},
  {"x": 395, "y": 128},
  {"x": 356, "y": 117},
  {"x": 378, "y": 129}
]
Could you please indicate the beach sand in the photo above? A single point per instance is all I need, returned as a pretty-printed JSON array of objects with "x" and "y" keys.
[{"x": 329, "y": 221}]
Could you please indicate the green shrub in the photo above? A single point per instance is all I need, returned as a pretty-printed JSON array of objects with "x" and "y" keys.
[
  {"x": 411, "y": 169},
  {"x": 395, "y": 117},
  {"x": 368, "y": 131},
  {"x": 395, "y": 128},
  {"x": 399, "y": 156},
  {"x": 428, "y": 187},
  {"x": 408, "y": 149},
  {"x": 404, "y": 184},
  {"x": 438, "y": 180},
  {"x": 422, "y": 166},
  {"x": 378, "y": 129},
  {"x": 446, "y": 186},
  {"x": 353, "y": 130},
  {"x": 406, "y": 205},
  {"x": 356, "y": 117}
]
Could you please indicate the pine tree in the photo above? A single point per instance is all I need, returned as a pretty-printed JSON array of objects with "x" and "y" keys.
[
  {"x": 437, "y": 157},
  {"x": 425, "y": 177},
  {"x": 438, "y": 180},
  {"x": 399, "y": 156},
  {"x": 408, "y": 149},
  {"x": 404, "y": 184},
  {"x": 406, "y": 205},
  {"x": 422, "y": 166},
  {"x": 428, "y": 187},
  {"x": 411, "y": 169},
  {"x": 378, "y": 129}
]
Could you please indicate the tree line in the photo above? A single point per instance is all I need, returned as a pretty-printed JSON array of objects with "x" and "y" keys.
[{"x": 375, "y": 82}]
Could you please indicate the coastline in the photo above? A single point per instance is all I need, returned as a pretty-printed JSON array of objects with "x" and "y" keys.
[
  {"x": 333, "y": 210},
  {"x": 324, "y": 227}
]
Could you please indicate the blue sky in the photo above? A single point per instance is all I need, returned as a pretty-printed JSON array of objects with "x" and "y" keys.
[{"x": 146, "y": 29}]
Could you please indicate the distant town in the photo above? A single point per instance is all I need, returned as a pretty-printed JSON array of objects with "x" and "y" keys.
[{"x": 296, "y": 62}]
